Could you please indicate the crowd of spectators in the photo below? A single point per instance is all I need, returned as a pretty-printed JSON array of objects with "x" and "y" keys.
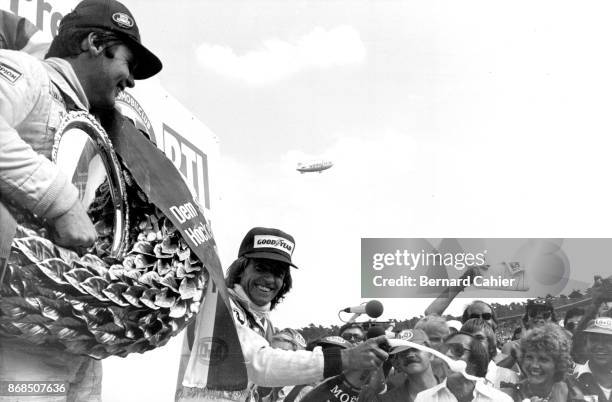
[{"x": 548, "y": 352}]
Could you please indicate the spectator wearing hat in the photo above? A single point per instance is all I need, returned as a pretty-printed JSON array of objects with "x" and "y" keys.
[
  {"x": 96, "y": 54},
  {"x": 352, "y": 332},
  {"x": 463, "y": 346},
  {"x": 257, "y": 281},
  {"x": 595, "y": 376},
  {"x": 414, "y": 364}
]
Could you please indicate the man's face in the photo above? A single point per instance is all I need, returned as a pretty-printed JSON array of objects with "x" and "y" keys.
[
  {"x": 412, "y": 361},
  {"x": 572, "y": 322},
  {"x": 436, "y": 335},
  {"x": 539, "y": 367},
  {"x": 538, "y": 316},
  {"x": 599, "y": 349},
  {"x": 353, "y": 335},
  {"x": 481, "y": 310},
  {"x": 481, "y": 336},
  {"x": 458, "y": 347},
  {"x": 263, "y": 279},
  {"x": 111, "y": 73},
  {"x": 604, "y": 309}
]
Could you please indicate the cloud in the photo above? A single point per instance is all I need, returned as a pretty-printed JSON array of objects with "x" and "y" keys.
[{"x": 278, "y": 60}]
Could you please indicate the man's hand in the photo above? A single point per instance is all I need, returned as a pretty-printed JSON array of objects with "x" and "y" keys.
[
  {"x": 74, "y": 229},
  {"x": 367, "y": 356}
]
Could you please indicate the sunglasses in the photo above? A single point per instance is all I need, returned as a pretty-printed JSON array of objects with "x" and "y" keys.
[
  {"x": 570, "y": 326},
  {"x": 484, "y": 316},
  {"x": 352, "y": 337},
  {"x": 545, "y": 314},
  {"x": 404, "y": 354},
  {"x": 456, "y": 349}
]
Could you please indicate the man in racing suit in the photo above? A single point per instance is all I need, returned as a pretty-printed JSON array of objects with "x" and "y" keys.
[
  {"x": 257, "y": 281},
  {"x": 96, "y": 53}
]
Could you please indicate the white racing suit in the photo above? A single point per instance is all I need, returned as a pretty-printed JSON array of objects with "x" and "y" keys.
[
  {"x": 266, "y": 366},
  {"x": 34, "y": 96}
]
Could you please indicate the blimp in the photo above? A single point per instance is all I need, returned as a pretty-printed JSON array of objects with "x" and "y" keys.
[{"x": 318, "y": 166}]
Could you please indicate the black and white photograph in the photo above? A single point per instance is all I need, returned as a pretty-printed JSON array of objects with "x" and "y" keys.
[{"x": 305, "y": 200}]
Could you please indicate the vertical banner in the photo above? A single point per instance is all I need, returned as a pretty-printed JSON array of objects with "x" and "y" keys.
[{"x": 165, "y": 188}]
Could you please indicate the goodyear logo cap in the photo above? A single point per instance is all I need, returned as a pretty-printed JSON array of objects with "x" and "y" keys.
[{"x": 268, "y": 243}]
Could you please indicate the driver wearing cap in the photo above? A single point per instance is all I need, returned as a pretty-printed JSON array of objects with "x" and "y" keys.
[
  {"x": 96, "y": 54},
  {"x": 257, "y": 281}
]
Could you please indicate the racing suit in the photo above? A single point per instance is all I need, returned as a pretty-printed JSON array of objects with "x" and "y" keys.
[
  {"x": 34, "y": 96},
  {"x": 266, "y": 366}
]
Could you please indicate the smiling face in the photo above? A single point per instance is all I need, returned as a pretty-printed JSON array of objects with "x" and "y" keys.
[
  {"x": 539, "y": 367},
  {"x": 110, "y": 73},
  {"x": 599, "y": 349},
  {"x": 412, "y": 361},
  {"x": 263, "y": 279}
]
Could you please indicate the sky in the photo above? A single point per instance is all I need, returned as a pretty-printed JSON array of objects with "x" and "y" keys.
[
  {"x": 442, "y": 118},
  {"x": 445, "y": 119}
]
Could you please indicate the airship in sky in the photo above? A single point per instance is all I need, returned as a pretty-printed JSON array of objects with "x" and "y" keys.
[{"x": 317, "y": 166}]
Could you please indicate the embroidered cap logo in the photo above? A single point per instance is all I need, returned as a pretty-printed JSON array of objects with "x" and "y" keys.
[{"x": 123, "y": 20}]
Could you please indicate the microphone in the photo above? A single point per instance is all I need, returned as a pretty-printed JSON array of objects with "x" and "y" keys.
[{"x": 373, "y": 308}]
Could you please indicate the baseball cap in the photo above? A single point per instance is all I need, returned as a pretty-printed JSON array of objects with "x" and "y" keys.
[
  {"x": 413, "y": 335},
  {"x": 333, "y": 341},
  {"x": 539, "y": 304},
  {"x": 271, "y": 244},
  {"x": 292, "y": 336},
  {"x": 113, "y": 16},
  {"x": 602, "y": 325}
]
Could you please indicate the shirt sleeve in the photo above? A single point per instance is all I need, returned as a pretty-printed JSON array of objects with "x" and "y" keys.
[
  {"x": 26, "y": 177},
  {"x": 271, "y": 367}
]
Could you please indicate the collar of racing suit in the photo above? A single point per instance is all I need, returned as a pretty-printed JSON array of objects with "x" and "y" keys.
[
  {"x": 259, "y": 311},
  {"x": 63, "y": 76}
]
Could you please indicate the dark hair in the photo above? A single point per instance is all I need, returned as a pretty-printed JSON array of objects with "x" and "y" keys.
[
  {"x": 552, "y": 340},
  {"x": 466, "y": 316},
  {"x": 573, "y": 312},
  {"x": 350, "y": 325},
  {"x": 478, "y": 324},
  {"x": 234, "y": 275},
  {"x": 67, "y": 43}
]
